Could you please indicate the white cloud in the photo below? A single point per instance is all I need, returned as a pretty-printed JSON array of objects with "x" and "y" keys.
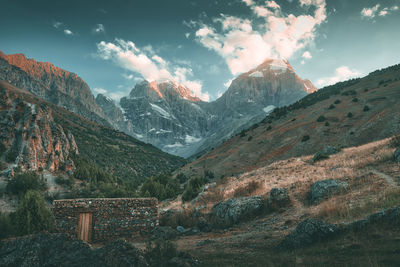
[
  {"x": 307, "y": 55},
  {"x": 99, "y": 29},
  {"x": 100, "y": 91},
  {"x": 57, "y": 24},
  {"x": 280, "y": 35},
  {"x": 150, "y": 66},
  {"x": 187, "y": 35},
  {"x": 128, "y": 76},
  {"x": 219, "y": 94},
  {"x": 371, "y": 12},
  {"x": 303, "y": 62},
  {"x": 68, "y": 32},
  {"x": 341, "y": 74}
]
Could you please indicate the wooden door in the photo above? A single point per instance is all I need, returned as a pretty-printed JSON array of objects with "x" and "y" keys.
[{"x": 85, "y": 226}]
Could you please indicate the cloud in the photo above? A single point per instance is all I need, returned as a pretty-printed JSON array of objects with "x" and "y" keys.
[
  {"x": 341, "y": 74},
  {"x": 372, "y": 12},
  {"x": 150, "y": 66},
  {"x": 100, "y": 91},
  {"x": 99, "y": 28},
  {"x": 244, "y": 46},
  {"x": 307, "y": 55},
  {"x": 128, "y": 76},
  {"x": 68, "y": 32},
  {"x": 57, "y": 24}
]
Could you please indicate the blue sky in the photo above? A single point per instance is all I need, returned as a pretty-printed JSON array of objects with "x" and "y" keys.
[{"x": 202, "y": 44}]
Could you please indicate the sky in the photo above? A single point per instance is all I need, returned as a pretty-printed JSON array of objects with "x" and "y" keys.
[{"x": 202, "y": 44}]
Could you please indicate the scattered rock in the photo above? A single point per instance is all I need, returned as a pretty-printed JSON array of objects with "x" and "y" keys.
[
  {"x": 325, "y": 153},
  {"x": 324, "y": 189},
  {"x": 278, "y": 199},
  {"x": 308, "y": 232},
  {"x": 397, "y": 155},
  {"x": 235, "y": 210},
  {"x": 180, "y": 229},
  {"x": 391, "y": 215}
]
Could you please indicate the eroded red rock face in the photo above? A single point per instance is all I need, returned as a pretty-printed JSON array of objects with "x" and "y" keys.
[{"x": 29, "y": 131}]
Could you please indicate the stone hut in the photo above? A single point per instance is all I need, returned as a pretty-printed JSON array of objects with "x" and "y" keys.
[{"x": 104, "y": 219}]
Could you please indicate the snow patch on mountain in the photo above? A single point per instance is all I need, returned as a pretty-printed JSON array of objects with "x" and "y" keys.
[
  {"x": 191, "y": 139},
  {"x": 269, "y": 109},
  {"x": 256, "y": 74},
  {"x": 161, "y": 111}
]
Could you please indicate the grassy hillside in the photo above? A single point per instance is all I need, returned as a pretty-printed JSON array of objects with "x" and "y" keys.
[{"x": 346, "y": 114}]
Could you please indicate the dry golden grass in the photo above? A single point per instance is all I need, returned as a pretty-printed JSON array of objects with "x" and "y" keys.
[{"x": 360, "y": 167}]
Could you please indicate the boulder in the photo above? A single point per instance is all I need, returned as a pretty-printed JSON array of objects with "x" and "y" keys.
[
  {"x": 278, "y": 198},
  {"x": 236, "y": 210},
  {"x": 309, "y": 232},
  {"x": 397, "y": 155},
  {"x": 180, "y": 229},
  {"x": 324, "y": 189},
  {"x": 325, "y": 153}
]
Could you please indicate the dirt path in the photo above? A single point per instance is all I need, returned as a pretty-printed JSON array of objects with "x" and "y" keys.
[{"x": 389, "y": 179}]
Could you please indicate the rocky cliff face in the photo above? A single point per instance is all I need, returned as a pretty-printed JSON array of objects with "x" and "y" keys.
[
  {"x": 168, "y": 116},
  {"x": 51, "y": 83},
  {"x": 29, "y": 136}
]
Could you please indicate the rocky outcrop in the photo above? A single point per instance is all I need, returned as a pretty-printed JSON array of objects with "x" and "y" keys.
[
  {"x": 33, "y": 140},
  {"x": 325, "y": 153},
  {"x": 278, "y": 198},
  {"x": 324, "y": 189},
  {"x": 309, "y": 232},
  {"x": 236, "y": 210}
]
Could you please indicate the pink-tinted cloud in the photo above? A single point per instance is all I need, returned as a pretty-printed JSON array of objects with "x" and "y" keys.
[
  {"x": 150, "y": 66},
  {"x": 281, "y": 35}
]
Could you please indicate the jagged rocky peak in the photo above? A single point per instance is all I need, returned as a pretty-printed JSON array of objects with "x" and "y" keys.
[
  {"x": 163, "y": 89},
  {"x": 61, "y": 87},
  {"x": 274, "y": 82}
]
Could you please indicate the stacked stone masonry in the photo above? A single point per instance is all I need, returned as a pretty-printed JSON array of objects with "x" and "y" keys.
[{"x": 112, "y": 218}]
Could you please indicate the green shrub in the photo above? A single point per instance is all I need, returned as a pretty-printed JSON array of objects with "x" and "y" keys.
[
  {"x": 11, "y": 156},
  {"x": 327, "y": 123},
  {"x": 2, "y": 149},
  {"x": 250, "y": 137},
  {"x": 337, "y": 101},
  {"x": 366, "y": 108},
  {"x": 332, "y": 106},
  {"x": 321, "y": 119},
  {"x": 160, "y": 253},
  {"x": 182, "y": 178},
  {"x": 305, "y": 138},
  {"x": 23, "y": 182},
  {"x": 320, "y": 156},
  {"x": 193, "y": 188},
  {"x": 6, "y": 225},
  {"x": 243, "y": 133},
  {"x": 355, "y": 99},
  {"x": 161, "y": 186},
  {"x": 349, "y": 115},
  {"x": 32, "y": 215},
  {"x": 269, "y": 128},
  {"x": 208, "y": 175}
]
